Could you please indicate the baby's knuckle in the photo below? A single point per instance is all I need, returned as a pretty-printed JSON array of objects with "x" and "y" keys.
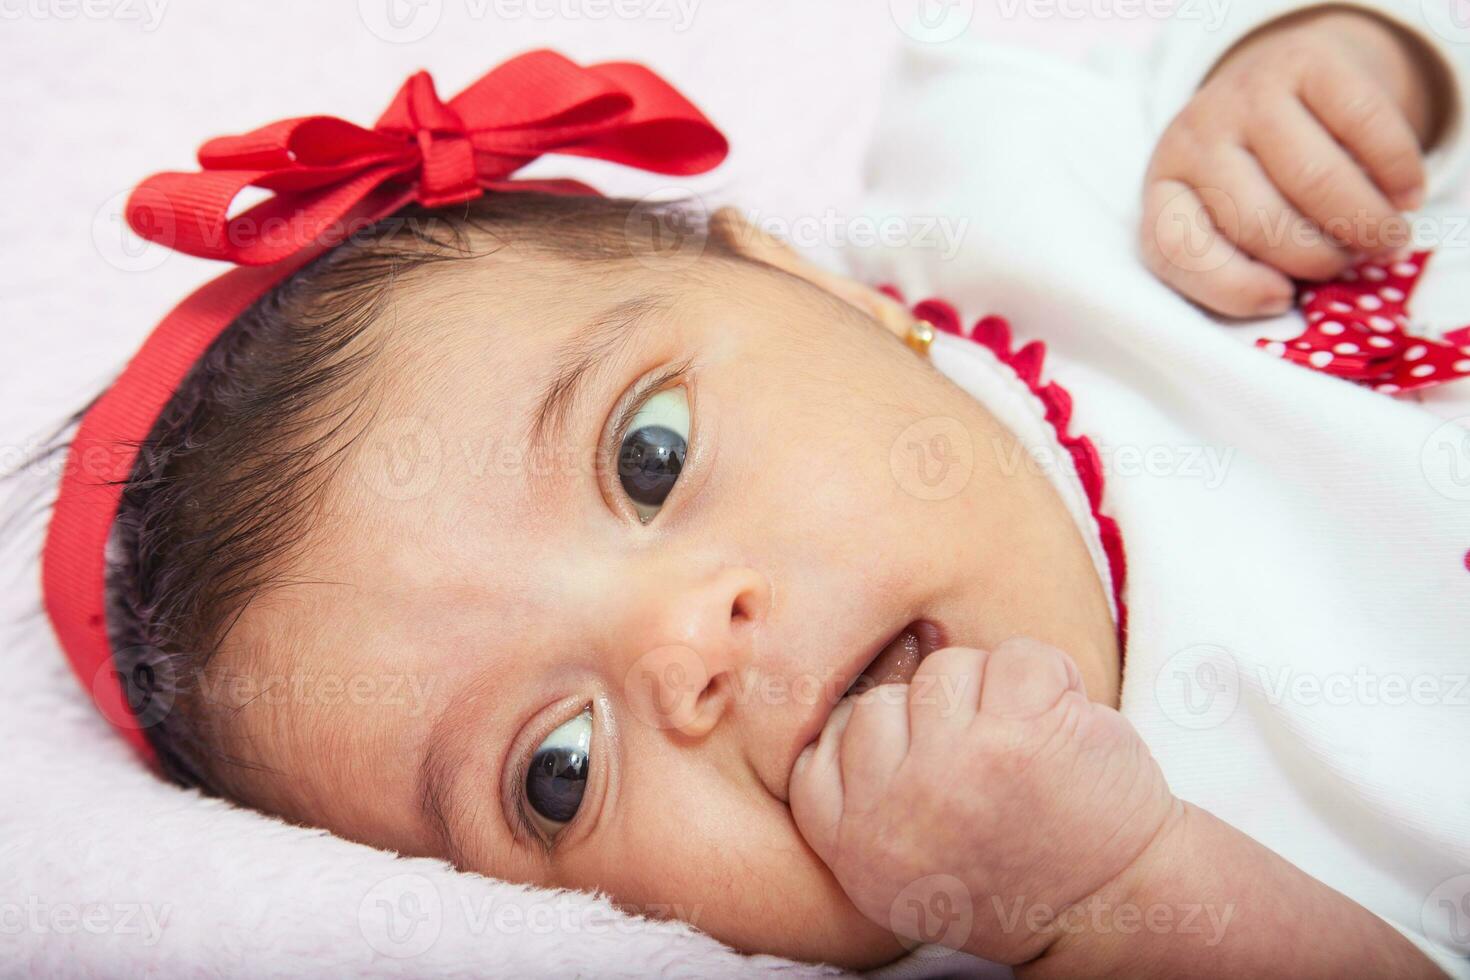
[
  {"x": 1264, "y": 87},
  {"x": 1049, "y": 655},
  {"x": 1199, "y": 120},
  {"x": 1315, "y": 179},
  {"x": 1363, "y": 112},
  {"x": 1304, "y": 55},
  {"x": 1251, "y": 229},
  {"x": 1228, "y": 88},
  {"x": 1272, "y": 82}
]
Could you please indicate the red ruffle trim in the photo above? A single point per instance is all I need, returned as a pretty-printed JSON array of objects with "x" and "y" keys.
[{"x": 995, "y": 334}]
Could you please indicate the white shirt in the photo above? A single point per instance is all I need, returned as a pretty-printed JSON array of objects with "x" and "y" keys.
[{"x": 1298, "y": 574}]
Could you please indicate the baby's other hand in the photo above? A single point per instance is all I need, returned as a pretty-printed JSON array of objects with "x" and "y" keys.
[
  {"x": 989, "y": 783},
  {"x": 1301, "y": 150}
]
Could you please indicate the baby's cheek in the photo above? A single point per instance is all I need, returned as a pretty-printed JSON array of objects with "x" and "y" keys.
[{"x": 735, "y": 866}]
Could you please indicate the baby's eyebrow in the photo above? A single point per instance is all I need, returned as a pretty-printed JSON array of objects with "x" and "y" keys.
[
  {"x": 435, "y": 773},
  {"x": 446, "y": 749},
  {"x": 590, "y": 349}
]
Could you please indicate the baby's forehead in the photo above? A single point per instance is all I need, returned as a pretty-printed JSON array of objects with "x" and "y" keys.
[
  {"x": 546, "y": 288},
  {"x": 479, "y": 404},
  {"x": 487, "y": 380}
]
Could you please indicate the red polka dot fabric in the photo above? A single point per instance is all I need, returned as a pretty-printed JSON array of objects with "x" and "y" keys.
[{"x": 1359, "y": 329}]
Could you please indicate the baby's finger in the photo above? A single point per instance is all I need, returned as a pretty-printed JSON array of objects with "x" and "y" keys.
[
  {"x": 945, "y": 692},
  {"x": 1317, "y": 175},
  {"x": 874, "y": 744},
  {"x": 1026, "y": 677},
  {"x": 815, "y": 789},
  {"x": 1251, "y": 212},
  {"x": 1182, "y": 246},
  {"x": 1365, "y": 119}
]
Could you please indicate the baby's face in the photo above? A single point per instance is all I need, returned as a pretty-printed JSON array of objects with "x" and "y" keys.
[{"x": 609, "y": 550}]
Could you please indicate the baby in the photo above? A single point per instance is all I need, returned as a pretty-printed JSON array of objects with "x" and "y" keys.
[{"x": 642, "y": 527}]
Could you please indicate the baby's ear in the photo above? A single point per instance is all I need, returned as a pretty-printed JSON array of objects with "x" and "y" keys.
[{"x": 730, "y": 227}]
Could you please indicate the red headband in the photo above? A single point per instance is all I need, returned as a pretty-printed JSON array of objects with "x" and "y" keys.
[{"x": 329, "y": 178}]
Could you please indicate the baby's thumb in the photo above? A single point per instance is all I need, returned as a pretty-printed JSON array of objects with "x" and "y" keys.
[
  {"x": 1025, "y": 677},
  {"x": 815, "y": 788}
]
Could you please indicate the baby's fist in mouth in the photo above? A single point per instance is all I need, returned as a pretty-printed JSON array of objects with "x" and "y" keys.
[{"x": 992, "y": 772}]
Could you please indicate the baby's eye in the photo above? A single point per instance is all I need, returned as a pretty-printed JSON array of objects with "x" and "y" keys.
[
  {"x": 652, "y": 453},
  {"x": 557, "y": 776}
]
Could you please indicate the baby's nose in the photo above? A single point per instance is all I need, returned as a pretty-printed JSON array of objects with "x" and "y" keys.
[{"x": 689, "y": 651}]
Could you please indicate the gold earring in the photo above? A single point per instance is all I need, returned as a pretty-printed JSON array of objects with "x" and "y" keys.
[{"x": 920, "y": 337}]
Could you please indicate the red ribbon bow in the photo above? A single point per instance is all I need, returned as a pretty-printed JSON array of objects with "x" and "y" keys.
[
  {"x": 1356, "y": 329},
  {"x": 423, "y": 149}
]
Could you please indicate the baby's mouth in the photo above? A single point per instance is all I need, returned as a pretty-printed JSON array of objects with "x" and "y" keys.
[
  {"x": 899, "y": 658},
  {"x": 891, "y": 661}
]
